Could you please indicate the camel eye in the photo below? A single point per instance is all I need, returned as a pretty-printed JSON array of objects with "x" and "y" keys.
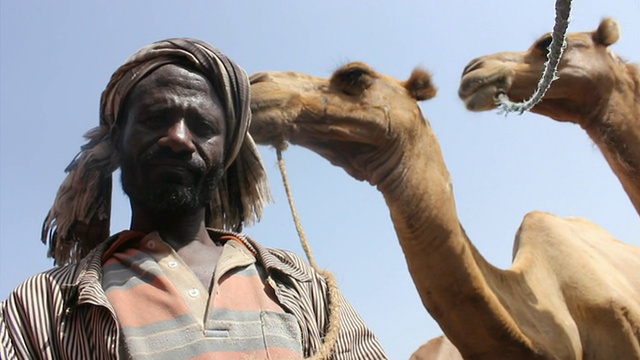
[
  {"x": 353, "y": 79},
  {"x": 543, "y": 44},
  {"x": 352, "y": 76}
]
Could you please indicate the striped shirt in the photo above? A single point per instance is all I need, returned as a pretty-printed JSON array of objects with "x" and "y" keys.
[{"x": 64, "y": 313}]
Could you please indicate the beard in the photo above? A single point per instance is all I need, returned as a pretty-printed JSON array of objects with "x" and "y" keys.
[{"x": 166, "y": 199}]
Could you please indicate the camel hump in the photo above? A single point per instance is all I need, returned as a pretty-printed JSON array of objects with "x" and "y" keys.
[
  {"x": 548, "y": 230},
  {"x": 439, "y": 348},
  {"x": 563, "y": 241},
  {"x": 608, "y": 32}
]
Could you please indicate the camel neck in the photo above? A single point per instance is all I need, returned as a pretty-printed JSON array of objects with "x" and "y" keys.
[
  {"x": 615, "y": 129},
  {"x": 439, "y": 254}
]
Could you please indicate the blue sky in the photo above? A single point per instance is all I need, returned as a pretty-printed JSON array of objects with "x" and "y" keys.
[{"x": 56, "y": 58}]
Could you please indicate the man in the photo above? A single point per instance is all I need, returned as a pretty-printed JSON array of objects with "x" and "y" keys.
[{"x": 182, "y": 282}]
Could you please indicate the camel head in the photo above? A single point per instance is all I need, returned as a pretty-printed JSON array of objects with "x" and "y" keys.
[
  {"x": 587, "y": 74},
  {"x": 345, "y": 118}
]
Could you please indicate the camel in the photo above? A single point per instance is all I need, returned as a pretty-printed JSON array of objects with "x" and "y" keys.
[
  {"x": 439, "y": 348},
  {"x": 573, "y": 290},
  {"x": 596, "y": 89}
]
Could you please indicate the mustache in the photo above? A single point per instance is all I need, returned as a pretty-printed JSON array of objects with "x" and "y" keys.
[{"x": 163, "y": 156}]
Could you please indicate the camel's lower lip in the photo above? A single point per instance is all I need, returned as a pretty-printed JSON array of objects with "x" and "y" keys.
[
  {"x": 469, "y": 86},
  {"x": 482, "y": 98}
]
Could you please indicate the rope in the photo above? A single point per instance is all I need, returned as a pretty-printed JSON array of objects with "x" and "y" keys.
[
  {"x": 563, "y": 8},
  {"x": 334, "y": 302}
]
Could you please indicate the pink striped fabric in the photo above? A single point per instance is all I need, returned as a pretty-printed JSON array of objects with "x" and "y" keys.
[{"x": 165, "y": 312}]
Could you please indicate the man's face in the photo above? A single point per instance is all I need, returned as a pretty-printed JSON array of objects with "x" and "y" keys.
[{"x": 172, "y": 143}]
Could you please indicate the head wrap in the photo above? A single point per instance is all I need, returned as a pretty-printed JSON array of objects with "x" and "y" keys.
[{"x": 79, "y": 217}]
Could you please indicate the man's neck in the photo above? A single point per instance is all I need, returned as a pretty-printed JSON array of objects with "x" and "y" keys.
[
  {"x": 176, "y": 231},
  {"x": 188, "y": 236}
]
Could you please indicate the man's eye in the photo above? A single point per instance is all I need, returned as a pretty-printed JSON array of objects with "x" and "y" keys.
[
  {"x": 152, "y": 122},
  {"x": 204, "y": 128}
]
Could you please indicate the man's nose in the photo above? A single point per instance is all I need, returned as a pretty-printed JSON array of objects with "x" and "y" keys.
[{"x": 178, "y": 138}]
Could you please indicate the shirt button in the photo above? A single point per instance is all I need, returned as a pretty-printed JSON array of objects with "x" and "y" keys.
[
  {"x": 172, "y": 264},
  {"x": 151, "y": 244},
  {"x": 194, "y": 293}
]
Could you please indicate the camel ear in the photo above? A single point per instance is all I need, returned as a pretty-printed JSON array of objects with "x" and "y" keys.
[
  {"x": 420, "y": 85},
  {"x": 608, "y": 32}
]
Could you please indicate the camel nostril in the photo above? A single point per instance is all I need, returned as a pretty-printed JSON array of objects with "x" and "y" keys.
[{"x": 473, "y": 65}]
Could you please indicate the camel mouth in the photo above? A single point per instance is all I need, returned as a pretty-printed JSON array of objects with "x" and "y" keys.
[
  {"x": 482, "y": 98},
  {"x": 480, "y": 92}
]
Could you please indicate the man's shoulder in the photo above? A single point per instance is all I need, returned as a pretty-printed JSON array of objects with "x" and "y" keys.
[
  {"x": 57, "y": 280},
  {"x": 56, "y": 275},
  {"x": 287, "y": 256},
  {"x": 290, "y": 258},
  {"x": 42, "y": 288},
  {"x": 285, "y": 261}
]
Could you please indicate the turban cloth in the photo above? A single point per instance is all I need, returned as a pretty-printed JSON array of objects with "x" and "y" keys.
[{"x": 79, "y": 217}]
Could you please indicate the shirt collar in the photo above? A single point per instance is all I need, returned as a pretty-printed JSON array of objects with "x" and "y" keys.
[
  {"x": 86, "y": 286},
  {"x": 267, "y": 258}
]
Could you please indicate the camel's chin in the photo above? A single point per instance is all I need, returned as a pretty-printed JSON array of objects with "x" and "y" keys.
[{"x": 482, "y": 100}]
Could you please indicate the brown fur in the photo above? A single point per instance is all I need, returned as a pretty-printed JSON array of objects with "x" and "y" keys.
[
  {"x": 420, "y": 86},
  {"x": 353, "y": 78},
  {"x": 608, "y": 32}
]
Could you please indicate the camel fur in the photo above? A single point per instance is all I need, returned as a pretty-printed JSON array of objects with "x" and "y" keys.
[{"x": 573, "y": 290}]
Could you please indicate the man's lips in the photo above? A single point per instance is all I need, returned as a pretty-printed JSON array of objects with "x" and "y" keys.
[{"x": 173, "y": 171}]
